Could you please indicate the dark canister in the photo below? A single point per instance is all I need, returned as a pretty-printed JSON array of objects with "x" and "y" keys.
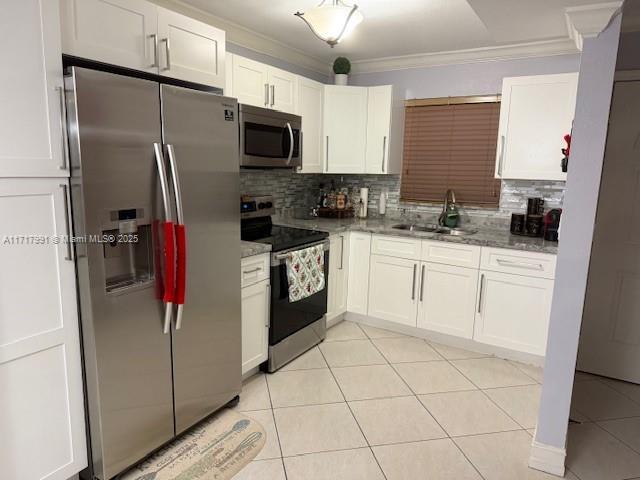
[
  {"x": 518, "y": 223},
  {"x": 534, "y": 225},
  {"x": 535, "y": 206}
]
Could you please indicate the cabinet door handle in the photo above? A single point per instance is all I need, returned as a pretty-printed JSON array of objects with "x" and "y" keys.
[
  {"x": 273, "y": 95},
  {"x": 266, "y": 94},
  {"x": 167, "y": 42},
  {"x": 327, "y": 154},
  {"x": 413, "y": 287},
  {"x": 63, "y": 128},
  {"x": 67, "y": 222},
  {"x": 481, "y": 291},
  {"x": 501, "y": 157},
  {"x": 422, "y": 283},
  {"x": 255, "y": 270},
  {"x": 528, "y": 266},
  {"x": 155, "y": 63},
  {"x": 268, "y": 302},
  {"x": 384, "y": 151},
  {"x": 341, "y": 252}
]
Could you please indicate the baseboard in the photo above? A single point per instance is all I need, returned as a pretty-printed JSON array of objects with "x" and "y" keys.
[
  {"x": 451, "y": 340},
  {"x": 335, "y": 320},
  {"x": 547, "y": 459}
]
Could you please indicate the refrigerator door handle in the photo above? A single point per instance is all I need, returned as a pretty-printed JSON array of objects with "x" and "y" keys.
[
  {"x": 181, "y": 239},
  {"x": 169, "y": 247}
]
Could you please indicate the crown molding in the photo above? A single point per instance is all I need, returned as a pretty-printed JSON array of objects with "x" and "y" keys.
[
  {"x": 589, "y": 20},
  {"x": 247, "y": 38},
  {"x": 473, "y": 55}
]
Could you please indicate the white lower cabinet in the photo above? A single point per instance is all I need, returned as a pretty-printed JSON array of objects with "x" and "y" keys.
[
  {"x": 494, "y": 296},
  {"x": 358, "y": 288},
  {"x": 255, "y": 325},
  {"x": 256, "y": 302},
  {"x": 338, "y": 275},
  {"x": 42, "y": 402},
  {"x": 447, "y": 299},
  {"x": 513, "y": 311},
  {"x": 393, "y": 286}
]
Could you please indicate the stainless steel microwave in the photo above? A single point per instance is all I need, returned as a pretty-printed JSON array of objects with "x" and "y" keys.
[{"x": 269, "y": 139}]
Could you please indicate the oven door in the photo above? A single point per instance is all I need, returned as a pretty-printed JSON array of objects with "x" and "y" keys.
[
  {"x": 287, "y": 318},
  {"x": 269, "y": 138}
]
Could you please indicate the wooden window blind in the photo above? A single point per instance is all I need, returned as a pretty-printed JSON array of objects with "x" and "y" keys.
[{"x": 451, "y": 146}]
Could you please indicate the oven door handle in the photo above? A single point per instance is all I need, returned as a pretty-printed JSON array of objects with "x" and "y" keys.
[
  {"x": 291, "y": 139},
  {"x": 280, "y": 258}
]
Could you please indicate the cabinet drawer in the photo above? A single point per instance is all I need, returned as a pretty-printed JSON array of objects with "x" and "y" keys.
[
  {"x": 400, "y": 247},
  {"x": 450, "y": 253},
  {"x": 530, "y": 264},
  {"x": 254, "y": 269}
]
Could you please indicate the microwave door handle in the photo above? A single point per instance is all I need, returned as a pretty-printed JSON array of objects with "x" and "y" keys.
[{"x": 290, "y": 143}]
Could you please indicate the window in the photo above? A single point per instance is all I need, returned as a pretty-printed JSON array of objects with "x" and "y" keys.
[{"x": 451, "y": 144}]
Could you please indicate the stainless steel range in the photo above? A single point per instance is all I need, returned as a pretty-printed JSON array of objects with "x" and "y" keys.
[{"x": 294, "y": 327}]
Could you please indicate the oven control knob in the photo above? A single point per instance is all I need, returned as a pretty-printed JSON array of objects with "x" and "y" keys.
[
  {"x": 269, "y": 204},
  {"x": 261, "y": 205}
]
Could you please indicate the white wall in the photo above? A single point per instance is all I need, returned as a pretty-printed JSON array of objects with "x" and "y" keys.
[
  {"x": 479, "y": 78},
  {"x": 581, "y": 198}
]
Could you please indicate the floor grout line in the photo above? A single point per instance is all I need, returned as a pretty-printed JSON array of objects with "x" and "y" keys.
[
  {"x": 430, "y": 414},
  {"x": 355, "y": 419},
  {"x": 275, "y": 426}
]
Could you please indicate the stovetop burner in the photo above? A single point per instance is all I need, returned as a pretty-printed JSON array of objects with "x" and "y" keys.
[
  {"x": 257, "y": 226},
  {"x": 279, "y": 237}
]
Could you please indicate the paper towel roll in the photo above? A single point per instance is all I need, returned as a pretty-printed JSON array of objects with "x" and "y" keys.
[
  {"x": 382, "y": 207},
  {"x": 364, "y": 200}
]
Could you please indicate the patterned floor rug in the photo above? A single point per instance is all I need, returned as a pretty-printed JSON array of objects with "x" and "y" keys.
[{"x": 216, "y": 449}]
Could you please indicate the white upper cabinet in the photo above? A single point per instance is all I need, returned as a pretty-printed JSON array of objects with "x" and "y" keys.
[
  {"x": 283, "y": 90},
  {"x": 261, "y": 85},
  {"x": 31, "y": 91},
  {"x": 120, "y": 32},
  {"x": 190, "y": 50},
  {"x": 385, "y": 129},
  {"x": 310, "y": 108},
  {"x": 42, "y": 403},
  {"x": 140, "y": 35},
  {"x": 250, "y": 84},
  {"x": 345, "y": 128},
  {"x": 535, "y": 114}
]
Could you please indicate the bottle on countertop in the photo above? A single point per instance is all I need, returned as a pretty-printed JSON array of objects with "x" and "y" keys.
[
  {"x": 331, "y": 196},
  {"x": 322, "y": 198}
]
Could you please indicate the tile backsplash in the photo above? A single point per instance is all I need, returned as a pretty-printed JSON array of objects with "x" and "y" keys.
[{"x": 293, "y": 190}]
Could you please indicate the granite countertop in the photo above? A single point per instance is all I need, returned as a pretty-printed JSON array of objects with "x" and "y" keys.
[
  {"x": 484, "y": 237},
  {"x": 249, "y": 249}
]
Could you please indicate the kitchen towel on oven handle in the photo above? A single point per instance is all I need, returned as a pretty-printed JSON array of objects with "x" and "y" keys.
[{"x": 305, "y": 272}]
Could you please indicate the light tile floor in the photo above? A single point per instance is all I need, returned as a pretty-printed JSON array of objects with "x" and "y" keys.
[{"x": 369, "y": 404}]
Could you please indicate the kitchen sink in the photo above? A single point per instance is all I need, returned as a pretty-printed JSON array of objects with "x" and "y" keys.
[
  {"x": 416, "y": 228},
  {"x": 458, "y": 232}
]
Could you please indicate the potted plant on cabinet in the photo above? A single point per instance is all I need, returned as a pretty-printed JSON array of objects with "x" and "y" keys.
[{"x": 341, "y": 70}]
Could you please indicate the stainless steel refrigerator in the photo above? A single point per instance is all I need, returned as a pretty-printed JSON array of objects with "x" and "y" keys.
[{"x": 154, "y": 192}]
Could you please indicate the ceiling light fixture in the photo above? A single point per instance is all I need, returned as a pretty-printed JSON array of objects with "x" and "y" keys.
[{"x": 332, "y": 20}]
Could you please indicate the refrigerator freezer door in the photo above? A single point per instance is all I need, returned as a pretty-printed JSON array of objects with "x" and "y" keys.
[
  {"x": 201, "y": 129},
  {"x": 115, "y": 122}
]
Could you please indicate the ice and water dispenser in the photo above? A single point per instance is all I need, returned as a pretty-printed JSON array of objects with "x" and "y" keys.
[{"x": 128, "y": 249}]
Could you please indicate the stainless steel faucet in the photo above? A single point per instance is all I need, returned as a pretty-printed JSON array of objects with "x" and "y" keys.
[{"x": 443, "y": 215}]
